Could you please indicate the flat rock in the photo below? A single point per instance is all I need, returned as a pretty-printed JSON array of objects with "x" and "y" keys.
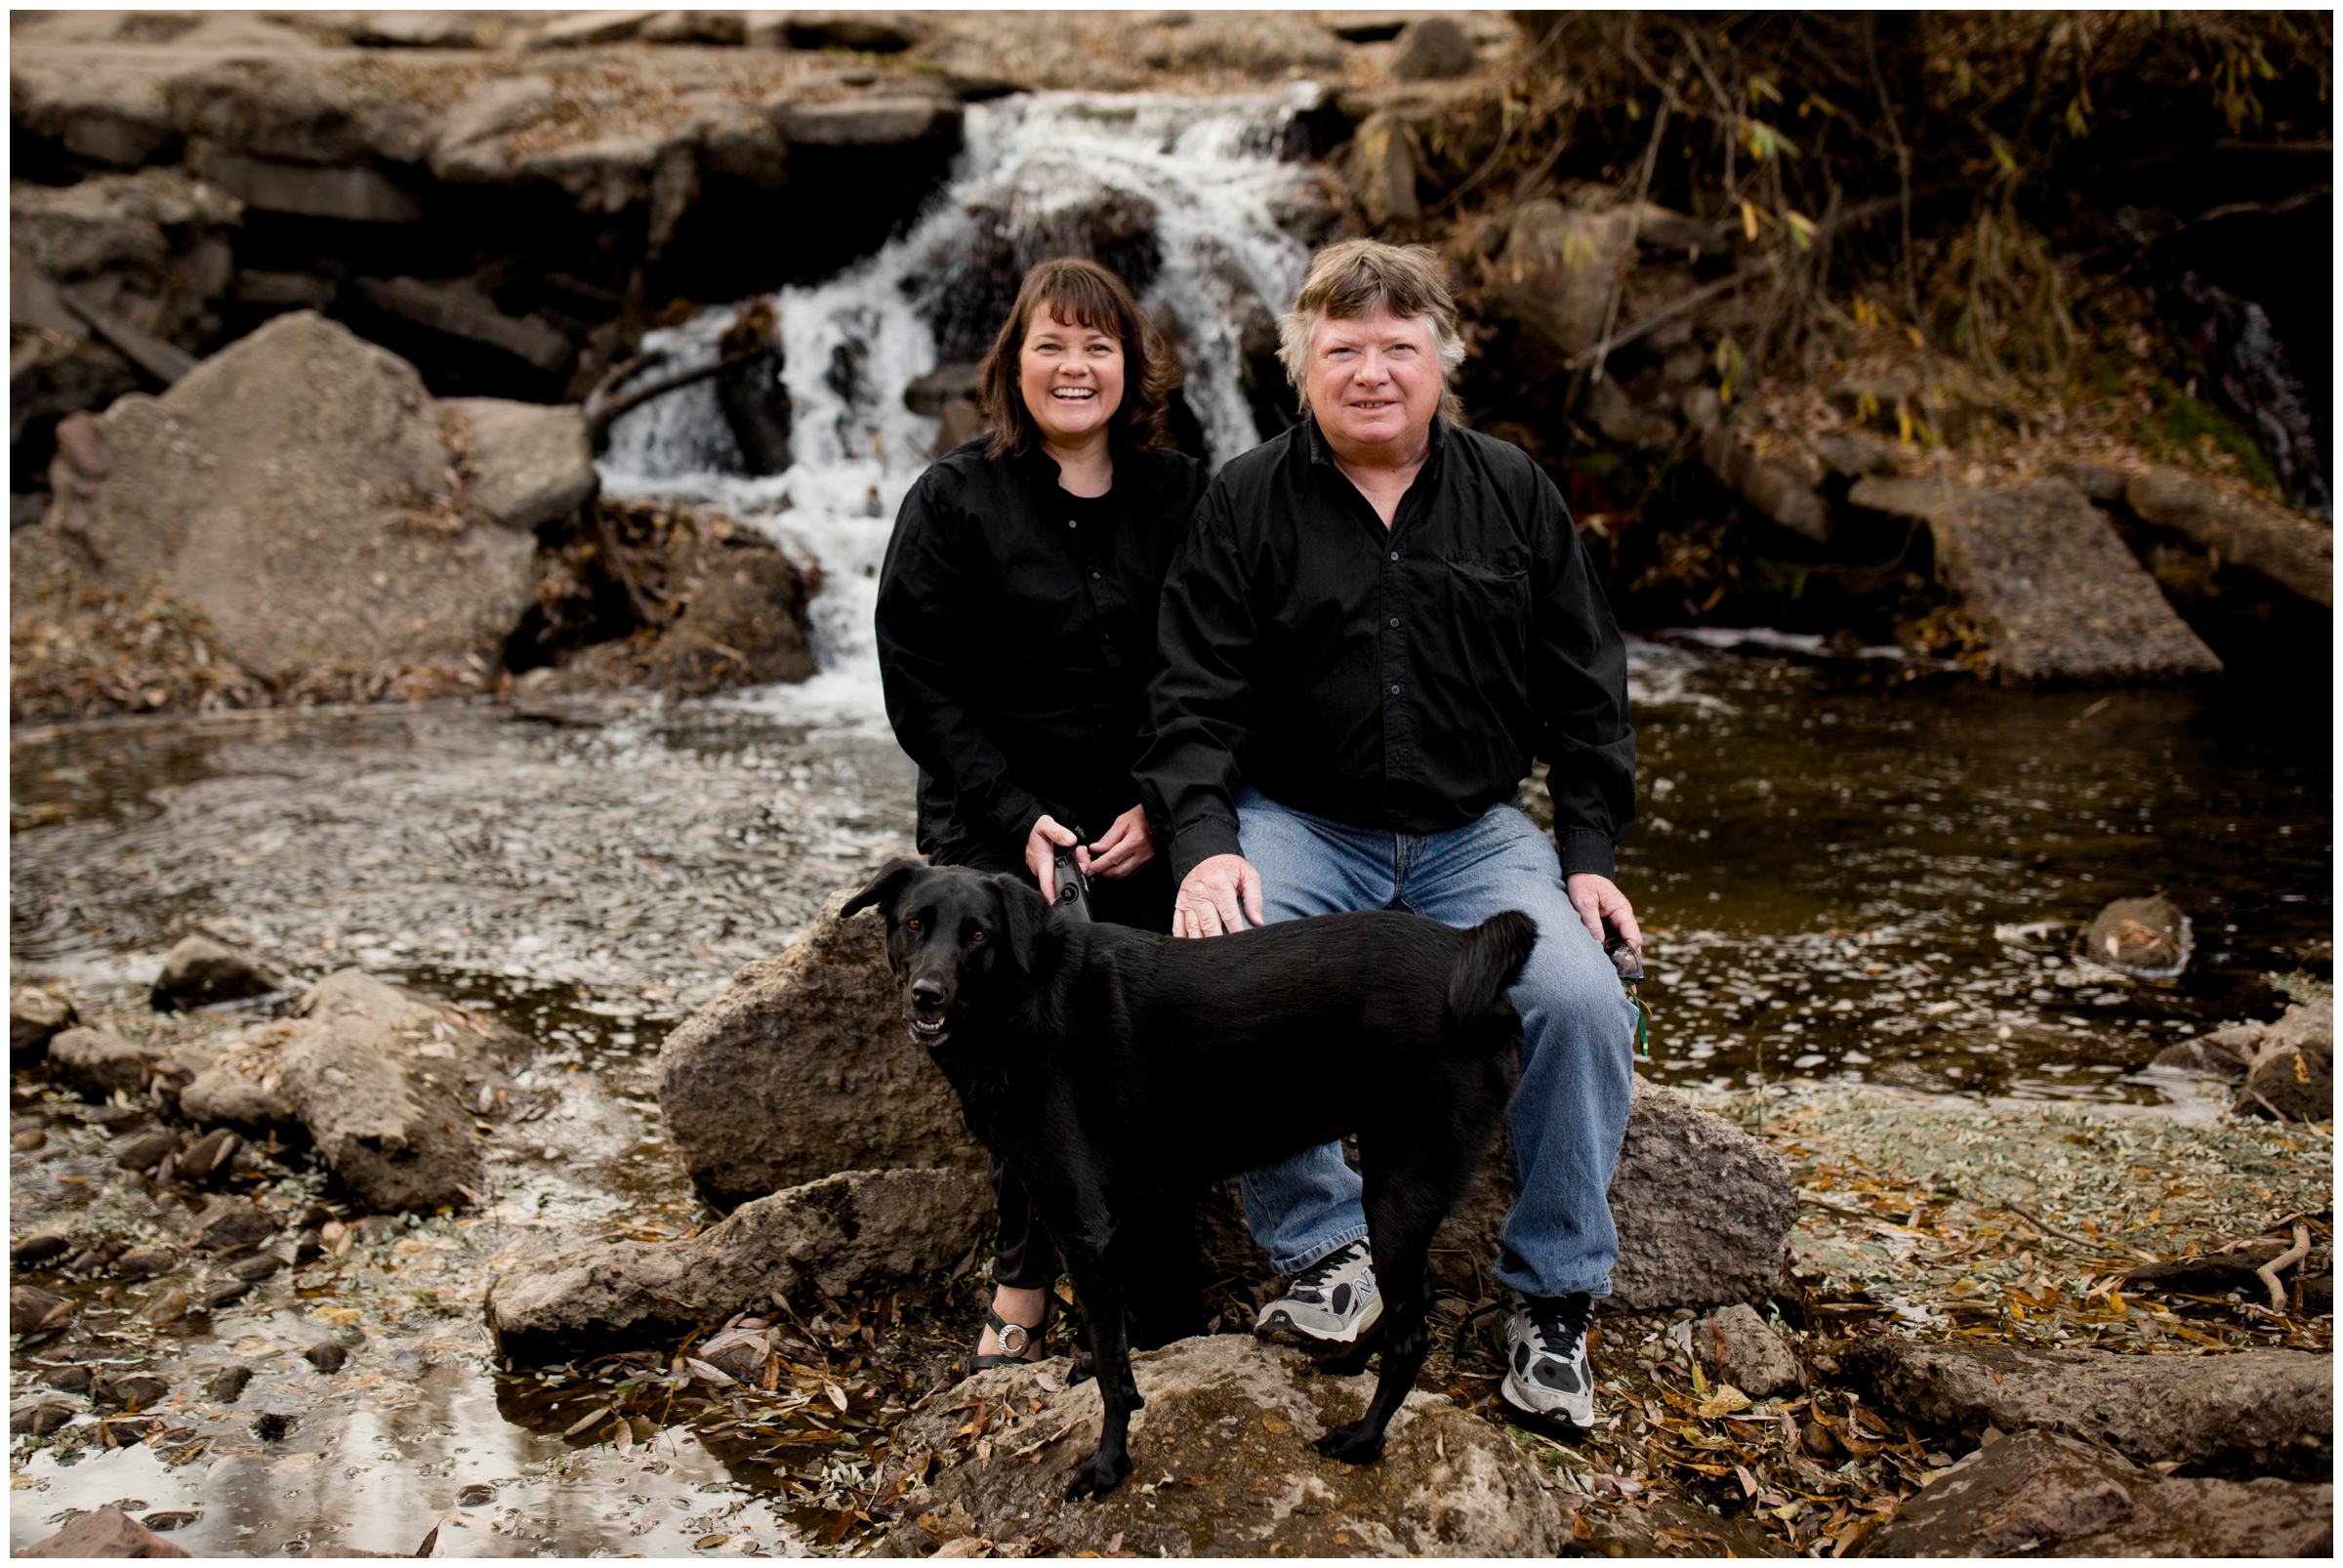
[
  {"x": 2247, "y": 1413},
  {"x": 1224, "y": 1443},
  {"x": 844, "y": 1233},
  {"x": 96, "y": 1061},
  {"x": 107, "y": 1533},
  {"x": 378, "y": 1075},
  {"x": 2295, "y": 552},
  {"x": 198, "y": 971},
  {"x": 296, "y": 488},
  {"x": 804, "y": 1067},
  {"x": 528, "y": 463},
  {"x": 2038, "y": 1492},
  {"x": 34, "y": 1019},
  {"x": 872, "y": 122},
  {"x": 2227, "y": 1052},
  {"x": 1431, "y": 48},
  {"x": 1741, "y": 1349},
  {"x": 2041, "y": 572}
]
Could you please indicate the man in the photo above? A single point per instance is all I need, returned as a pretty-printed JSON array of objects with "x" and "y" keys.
[{"x": 1377, "y": 619}]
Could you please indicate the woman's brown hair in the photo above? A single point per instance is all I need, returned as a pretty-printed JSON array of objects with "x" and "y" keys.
[{"x": 1082, "y": 294}]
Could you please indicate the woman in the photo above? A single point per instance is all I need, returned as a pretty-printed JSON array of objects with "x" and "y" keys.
[{"x": 1017, "y": 638}]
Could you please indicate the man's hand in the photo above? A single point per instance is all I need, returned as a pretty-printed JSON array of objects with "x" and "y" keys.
[
  {"x": 1598, "y": 899},
  {"x": 1217, "y": 896},
  {"x": 1041, "y": 853},
  {"x": 1127, "y": 846}
]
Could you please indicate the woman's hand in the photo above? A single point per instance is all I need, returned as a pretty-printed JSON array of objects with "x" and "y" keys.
[
  {"x": 1041, "y": 853},
  {"x": 1127, "y": 845}
]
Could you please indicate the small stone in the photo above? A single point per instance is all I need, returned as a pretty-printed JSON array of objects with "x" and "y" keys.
[
  {"x": 69, "y": 1380},
  {"x": 96, "y": 1061},
  {"x": 39, "y": 1247},
  {"x": 145, "y": 1263},
  {"x": 259, "y": 1266},
  {"x": 168, "y": 1305},
  {"x": 36, "y": 1311},
  {"x": 2144, "y": 937},
  {"x": 108, "y": 1533},
  {"x": 1742, "y": 1351},
  {"x": 143, "y": 1152},
  {"x": 29, "y": 1142},
  {"x": 223, "y": 1293},
  {"x": 199, "y": 971},
  {"x": 208, "y": 1157},
  {"x": 227, "y": 1385},
  {"x": 232, "y": 1222},
  {"x": 476, "y": 1494},
  {"x": 133, "y": 1392},
  {"x": 326, "y": 1356},
  {"x": 1431, "y": 49},
  {"x": 34, "y": 1019},
  {"x": 39, "y": 1420}
]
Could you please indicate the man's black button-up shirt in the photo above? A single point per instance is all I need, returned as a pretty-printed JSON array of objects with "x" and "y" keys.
[
  {"x": 1016, "y": 637},
  {"x": 1399, "y": 678}
]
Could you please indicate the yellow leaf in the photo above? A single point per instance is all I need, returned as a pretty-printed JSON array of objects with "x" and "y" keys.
[
  {"x": 1726, "y": 1400},
  {"x": 1748, "y": 219}
]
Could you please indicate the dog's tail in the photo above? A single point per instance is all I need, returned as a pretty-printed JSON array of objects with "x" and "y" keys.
[{"x": 1494, "y": 952}]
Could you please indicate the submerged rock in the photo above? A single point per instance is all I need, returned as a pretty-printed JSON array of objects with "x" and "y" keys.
[
  {"x": 2043, "y": 575},
  {"x": 2248, "y": 1411},
  {"x": 2149, "y": 937},
  {"x": 804, "y": 1067},
  {"x": 107, "y": 1533},
  {"x": 199, "y": 970},
  {"x": 2041, "y": 1492},
  {"x": 1222, "y": 1467},
  {"x": 852, "y": 1231}
]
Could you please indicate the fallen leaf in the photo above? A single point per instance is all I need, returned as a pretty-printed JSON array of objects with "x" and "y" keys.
[
  {"x": 586, "y": 1421},
  {"x": 1726, "y": 1400}
]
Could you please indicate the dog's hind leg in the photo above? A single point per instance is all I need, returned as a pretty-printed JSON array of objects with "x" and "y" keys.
[{"x": 1404, "y": 1208}]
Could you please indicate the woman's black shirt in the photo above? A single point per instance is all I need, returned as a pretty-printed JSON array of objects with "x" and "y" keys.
[{"x": 1016, "y": 633}]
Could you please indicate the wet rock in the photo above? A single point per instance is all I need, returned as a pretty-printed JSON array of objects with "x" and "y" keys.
[
  {"x": 377, "y": 1076},
  {"x": 2251, "y": 1412},
  {"x": 34, "y": 1019},
  {"x": 96, "y": 1061},
  {"x": 36, "y": 1311},
  {"x": 227, "y": 1385},
  {"x": 1232, "y": 1421},
  {"x": 476, "y": 1495},
  {"x": 232, "y": 1222},
  {"x": 804, "y": 1067},
  {"x": 97, "y": 1257},
  {"x": 209, "y": 1157},
  {"x": 145, "y": 1263},
  {"x": 1431, "y": 48},
  {"x": 852, "y": 1231},
  {"x": 108, "y": 1533},
  {"x": 38, "y": 1420},
  {"x": 2149, "y": 937},
  {"x": 198, "y": 971},
  {"x": 1703, "y": 1210},
  {"x": 29, "y": 1141},
  {"x": 1741, "y": 1349},
  {"x": 372, "y": 1230},
  {"x": 2292, "y": 1074},
  {"x": 2040, "y": 1493},
  {"x": 216, "y": 1294},
  {"x": 143, "y": 1152},
  {"x": 296, "y": 488},
  {"x": 869, "y": 122},
  {"x": 69, "y": 1380},
  {"x": 133, "y": 1392},
  {"x": 231, "y": 1095},
  {"x": 2229, "y": 1053},
  {"x": 529, "y": 463},
  {"x": 326, "y": 1355},
  {"x": 259, "y": 1266},
  {"x": 167, "y": 1306},
  {"x": 2058, "y": 596},
  {"x": 2295, "y": 552}
]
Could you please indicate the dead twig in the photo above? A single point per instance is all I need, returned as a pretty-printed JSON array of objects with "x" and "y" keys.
[
  {"x": 605, "y": 404},
  {"x": 2286, "y": 1260},
  {"x": 2046, "y": 1228}
]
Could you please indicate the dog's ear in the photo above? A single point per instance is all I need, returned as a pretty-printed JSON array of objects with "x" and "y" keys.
[
  {"x": 1024, "y": 914},
  {"x": 883, "y": 886}
]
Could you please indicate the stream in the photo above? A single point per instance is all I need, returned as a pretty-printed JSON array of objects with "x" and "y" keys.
[{"x": 1827, "y": 849}]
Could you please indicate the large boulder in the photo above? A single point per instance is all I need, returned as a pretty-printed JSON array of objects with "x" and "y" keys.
[
  {"x": 530, "y": 463},
  {"x": 2295, "y": 552},
  {"x": 2248, "y": 1413},
  {"x": 1703, "y": 1211},
  {"x": 389, "y": 1083},
  {"x": 804, "y": 1067},
  {"x": 1221, "y": 1466},
  {"x": 2041, "y": 572},
  {"x": 2037, "y": 1492},
  {"x": 845, "y": 1232},
  {"x": 300, "y": 489}
]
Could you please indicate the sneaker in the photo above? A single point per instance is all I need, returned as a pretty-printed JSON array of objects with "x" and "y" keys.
[
  {"x": 1332, "y": 1302},
  {"x": 1547, "y": 1372}
]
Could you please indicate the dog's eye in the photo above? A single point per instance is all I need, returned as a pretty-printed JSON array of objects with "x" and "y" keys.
[
  {"x": 911, "y": 926},
  {"x": 979, "y": 936}
]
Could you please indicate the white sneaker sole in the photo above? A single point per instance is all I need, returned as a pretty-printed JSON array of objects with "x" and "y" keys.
[
  {"x": 1577, "y": 1410},
  {"x": 1282, "y": 1325}
]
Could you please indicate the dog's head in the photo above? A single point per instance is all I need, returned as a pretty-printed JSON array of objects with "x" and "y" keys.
[{"x": 952, "y": 933}]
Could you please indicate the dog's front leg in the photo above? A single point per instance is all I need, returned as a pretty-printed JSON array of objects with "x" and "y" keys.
[{"x": 1101, "y": 1300}]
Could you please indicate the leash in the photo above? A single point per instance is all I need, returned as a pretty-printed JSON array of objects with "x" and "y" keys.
[
  {"x": 1073, "y": 887},
  {"x": 1629, "y": 964}
]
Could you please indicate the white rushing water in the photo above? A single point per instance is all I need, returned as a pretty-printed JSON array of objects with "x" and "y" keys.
[{"x": 1206, "y": 180}]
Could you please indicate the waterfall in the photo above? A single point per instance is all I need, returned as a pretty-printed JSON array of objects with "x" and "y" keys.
[{"x": 1184, "y": 196}]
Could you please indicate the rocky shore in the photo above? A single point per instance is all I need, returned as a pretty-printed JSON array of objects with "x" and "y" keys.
[{"x": 1896, "y": 1298}]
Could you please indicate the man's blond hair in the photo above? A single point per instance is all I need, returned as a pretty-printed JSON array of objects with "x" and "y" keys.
[{"x": 1360, "y": 277}]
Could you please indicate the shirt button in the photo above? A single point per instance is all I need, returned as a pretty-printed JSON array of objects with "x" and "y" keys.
[
  {"x": 1071, "y": 523},
  {"x": 1395, "y": 689},
  {"x": 1395, "y": 555},
  {"x": 1094, "y": 578},
  {"x": 1394, "y": 620}
]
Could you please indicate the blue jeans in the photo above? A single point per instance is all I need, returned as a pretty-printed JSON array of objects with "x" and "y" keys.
[{"x": 1569, "y": 1115}]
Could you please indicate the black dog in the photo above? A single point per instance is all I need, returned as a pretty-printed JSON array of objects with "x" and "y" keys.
[{"x": 1113, "y": 1070}]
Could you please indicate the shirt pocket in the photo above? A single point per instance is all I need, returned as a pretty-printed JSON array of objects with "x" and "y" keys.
[{"x": 1486, "y": 614}]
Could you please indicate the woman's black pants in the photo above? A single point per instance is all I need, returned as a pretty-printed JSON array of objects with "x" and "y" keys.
[{"x": 1023, "y": 1256}]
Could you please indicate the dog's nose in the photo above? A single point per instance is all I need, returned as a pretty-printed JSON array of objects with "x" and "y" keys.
[{"x": 928, "y": 995}]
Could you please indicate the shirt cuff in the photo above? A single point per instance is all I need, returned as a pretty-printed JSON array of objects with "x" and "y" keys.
[
  {"x": 1584, "y": 849},
  {"x": 1200, "y": 841}
]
